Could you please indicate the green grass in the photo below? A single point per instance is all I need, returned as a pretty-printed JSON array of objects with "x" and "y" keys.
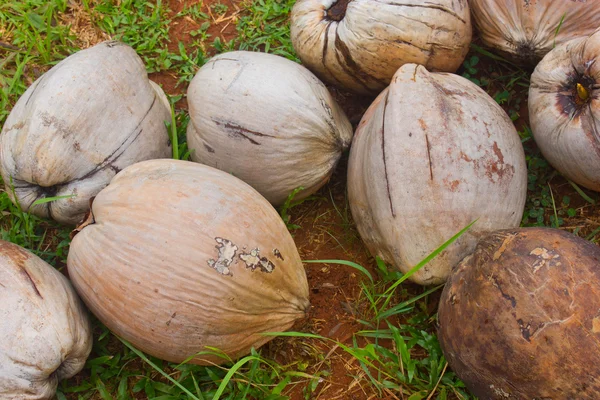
[
  {"x": 396, "y": 349},
  {"x": 265, "y": 28}
]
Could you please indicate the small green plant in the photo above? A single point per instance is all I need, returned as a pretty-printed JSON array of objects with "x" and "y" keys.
[
  {"x": 401, "y": 367},
  {"x": 177, "y": 131},
  {"x": 470, "y": 69},
  {"x": 219, "y": 8},
  {"x": 194, "y": 11},
  {"x": 289, "y": 204}
]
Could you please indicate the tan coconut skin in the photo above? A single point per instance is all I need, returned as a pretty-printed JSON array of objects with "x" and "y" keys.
[
  {"x": 564, "y": 109},
  {"x": 267, "y": 120},
  {"x": 79, "y": 124},
  {"x": 525, "y": 30},
  {"x": 361, "y": 47},
  {"x": 180, "y": 256},
  {"x": 518, "y": 319},
  {"x": 45, "y": 331},
  {"x": 432, "y": 154}
]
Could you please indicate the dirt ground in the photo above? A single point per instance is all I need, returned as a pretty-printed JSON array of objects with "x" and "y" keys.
[{"x": 327, "y": 232}]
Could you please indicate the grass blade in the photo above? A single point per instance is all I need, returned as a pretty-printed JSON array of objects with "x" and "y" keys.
[
  {"x": 430, "y": 257},
  {"x": 344, "y": 262},
  {"x": 157, "y": 368}
]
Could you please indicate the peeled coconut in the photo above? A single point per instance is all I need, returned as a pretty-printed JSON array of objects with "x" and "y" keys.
[
  {"x": 79, "y": 124},
  {"x": 267, "y": 120},
  {"x": 525, "y": 30},
  {"x": 177, "y": 256},
  {"x": 45, "y": 331},
  {"x": 360, "y": 44},
  {"x": 432, "y": 154},
  {"x": 518, "y": 319},
  {"x": 564, "y": 109}
]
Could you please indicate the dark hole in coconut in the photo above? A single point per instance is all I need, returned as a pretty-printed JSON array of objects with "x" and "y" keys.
[
  {"x": 526, "y": 54},
  {"x": 575, "y": 94},
  {"x": 49, "y": 191},
  {"x": 337, "y": 11}
]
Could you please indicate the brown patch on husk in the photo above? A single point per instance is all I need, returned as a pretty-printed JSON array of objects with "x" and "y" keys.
[{"x": 88, "y": 219}]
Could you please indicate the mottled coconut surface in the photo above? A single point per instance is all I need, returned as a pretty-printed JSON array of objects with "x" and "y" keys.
[{"x": 520, "y": 317}]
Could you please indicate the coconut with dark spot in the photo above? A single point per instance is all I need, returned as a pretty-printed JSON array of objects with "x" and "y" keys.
[
  {"x": 359, "y": 44},
  {"x": 176, "y": 257},
  {"x": 520, "y": 317},
  {"x": 267, "y": 120},
  {"x": 88, "y": 117},
  {"x": 432, "y": 154},
  {"x": 564, "y": 109},
  {"x": 525, "y": 30},
  {"x": 45, "y": 332}
]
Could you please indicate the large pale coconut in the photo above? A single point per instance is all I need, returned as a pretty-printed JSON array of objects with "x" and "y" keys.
[
  {"x": 88, "y": 117},
  {"x": 359, "y": 44},
  {"x": 564, "y": 109},
  {"x": 45, "y": 333},
  {"x": 432, "y": 154},
  {"x": 177, "y": 256},
  {"x": 518, "y": 319},
  {"x": 525, "y": 30},
  {"x": 268, "y": 121}
]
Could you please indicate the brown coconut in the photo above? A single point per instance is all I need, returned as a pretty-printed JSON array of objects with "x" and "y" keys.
[
  {"x": 432, "y": 154},
  {"x": 518, "y": 319},
  {"x": 177, "y": 256},
  {"x": 564, "y": 109}
]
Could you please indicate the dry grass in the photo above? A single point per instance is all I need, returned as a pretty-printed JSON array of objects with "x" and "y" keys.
[{"x": 80, "y": 21}]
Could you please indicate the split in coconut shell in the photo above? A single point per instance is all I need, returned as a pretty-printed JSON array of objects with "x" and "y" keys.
[
  {"x": 564, "y": 109},
  {"x": 359, "y": 44},
  {"x": 519, "y": 318},
  {"x": 432, "y": 154},
  {"x": 88, "y": 117},
  {"x": 45, "y": 333},
  {"x": 177, "y": 256},
  {"x": 525, "y": 30},
  {"x": 267, "y": 120}
]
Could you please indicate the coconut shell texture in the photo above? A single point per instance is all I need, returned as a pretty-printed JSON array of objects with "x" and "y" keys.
[
  {"x": 518, "y": 319},
  {"x": 360, "y": 44},
  {"x": 45, "y": 331},
  {"x": 432, "y": 154},
  {"x": 267, "y": 120},
  {"x": 525, "y": 30},
  {"x": 564, "y": 109},
  {"x": 179, "y": 256},
  {"x": 76, "y": 126}
]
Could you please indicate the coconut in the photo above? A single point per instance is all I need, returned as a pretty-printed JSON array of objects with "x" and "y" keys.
[
  {"x": 360, "y": 44},
  {"x": 74, "y": 128},
  {"x": 268, "y": 121},
  {"x": 518, "y": 318},
  {"x": 177, "y": 258},
  {"x": 432, "y": 154},
  {"x": 45, "y": 330},
  {"x": 564, "y": 109}
]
